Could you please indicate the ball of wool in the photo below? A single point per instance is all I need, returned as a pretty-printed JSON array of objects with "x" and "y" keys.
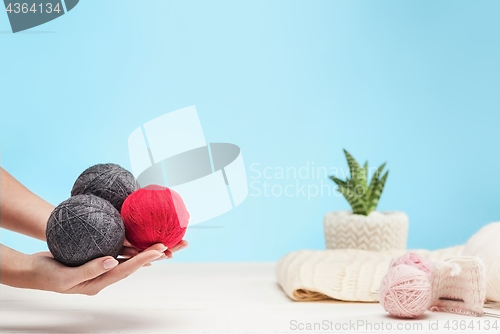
[
  {"x": 109, "y": 181},
  {"x": 82, "y": 228},
  {"x": 484, "y": 244},
  {"x": 413, "y": 259},
  {"x": 154, "y": 214},
  {"x": 405, "y": 291}
]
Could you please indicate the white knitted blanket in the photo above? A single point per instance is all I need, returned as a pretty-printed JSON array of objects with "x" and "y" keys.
[{"x": 343, "y": 274}]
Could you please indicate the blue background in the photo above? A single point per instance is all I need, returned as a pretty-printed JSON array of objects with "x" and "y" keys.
[{"x": 413, "y": 83}]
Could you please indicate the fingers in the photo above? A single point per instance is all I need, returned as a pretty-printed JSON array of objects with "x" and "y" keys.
[
  {"x": 158, "y": 247},
  {"x": 169, "y": 253},
  {"x": 128, "y": 267},
  {"x": 180, "y": 245},
  {"x": 93, "y": 269},
  {"x": 128, "y": 252},
  {"x": 46, "y": 254},
  {"x": 127, "y": 243}
]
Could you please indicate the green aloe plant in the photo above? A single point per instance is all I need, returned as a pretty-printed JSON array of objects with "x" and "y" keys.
[{"x": 362, "y": 197}]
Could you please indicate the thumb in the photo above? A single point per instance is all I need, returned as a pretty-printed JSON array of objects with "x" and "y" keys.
[{"x": 95, "y": 268}]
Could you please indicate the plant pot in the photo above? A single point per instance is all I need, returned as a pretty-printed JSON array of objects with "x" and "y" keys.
[{"x": 379, "y": 231}]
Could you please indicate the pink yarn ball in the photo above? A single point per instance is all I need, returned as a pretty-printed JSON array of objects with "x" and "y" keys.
[
  {"x": 405, "y": 291},
  {"x": 413, "y": 259}
]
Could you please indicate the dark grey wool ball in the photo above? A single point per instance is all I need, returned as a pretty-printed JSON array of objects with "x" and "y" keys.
[
  {"x": 109, "y": 181},
  {"x": 82, "y": 228}
]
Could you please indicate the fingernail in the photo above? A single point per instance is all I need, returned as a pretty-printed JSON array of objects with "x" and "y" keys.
[
  {"x": 161, "y": 257},
  {"x": 165, "y": 248},
  {"x": 109, "y": 263}
]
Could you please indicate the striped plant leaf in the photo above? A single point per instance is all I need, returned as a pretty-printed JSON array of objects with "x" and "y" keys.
[
  {"x": 364, "y": 174},
  {"x": 338, "y": 181},
  {"x": 375, "y": 179},
  {"x": 362, "y": 198},
  {"x": 353, "y": 164},
  {"x": 356, "y": 202},
  {"x": 379, "y": 171},
  {"x": 377, "y": 192}
]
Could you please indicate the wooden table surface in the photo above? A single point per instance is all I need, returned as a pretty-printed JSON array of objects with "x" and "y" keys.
[{"x": 205, "y": 298}]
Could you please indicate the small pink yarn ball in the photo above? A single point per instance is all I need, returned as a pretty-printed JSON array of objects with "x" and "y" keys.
[
  {"x": 405, "y": 291},
  {"x": 413, "y": 259}
]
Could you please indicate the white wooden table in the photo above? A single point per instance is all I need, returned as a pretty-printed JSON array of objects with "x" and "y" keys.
[{"x": 202, "y": 298}]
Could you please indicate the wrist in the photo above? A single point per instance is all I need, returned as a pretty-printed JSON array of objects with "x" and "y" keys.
[{"x": 16, "y": 269}]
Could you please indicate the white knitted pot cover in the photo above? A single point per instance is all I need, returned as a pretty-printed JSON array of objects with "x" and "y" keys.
[
  {"x": 343, "y": 274},
  {"x": 379, "y": 231}
]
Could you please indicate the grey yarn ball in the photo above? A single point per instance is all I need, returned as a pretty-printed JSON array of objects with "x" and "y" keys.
[
  {"x": 82, "y": 228},
  {"x": 109, "y": 181}
]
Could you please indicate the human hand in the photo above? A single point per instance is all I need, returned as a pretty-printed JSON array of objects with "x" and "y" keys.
[
  {"x": 128, "y": 250},
  {"x": 89, "y": 278}
]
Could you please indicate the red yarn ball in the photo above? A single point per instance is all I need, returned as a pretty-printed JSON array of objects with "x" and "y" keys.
[{"x": 154, "y": 214}]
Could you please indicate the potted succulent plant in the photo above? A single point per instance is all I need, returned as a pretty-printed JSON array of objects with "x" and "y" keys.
[{"x": 364, "y": 227}]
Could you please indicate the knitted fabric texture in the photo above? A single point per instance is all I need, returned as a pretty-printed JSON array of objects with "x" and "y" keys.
[
  {"x": 342, "y": 274},
  {"x": 376, "y": 232},
  {"x": 459, "y": 286},
  {"x": 484, "y": 244}
]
